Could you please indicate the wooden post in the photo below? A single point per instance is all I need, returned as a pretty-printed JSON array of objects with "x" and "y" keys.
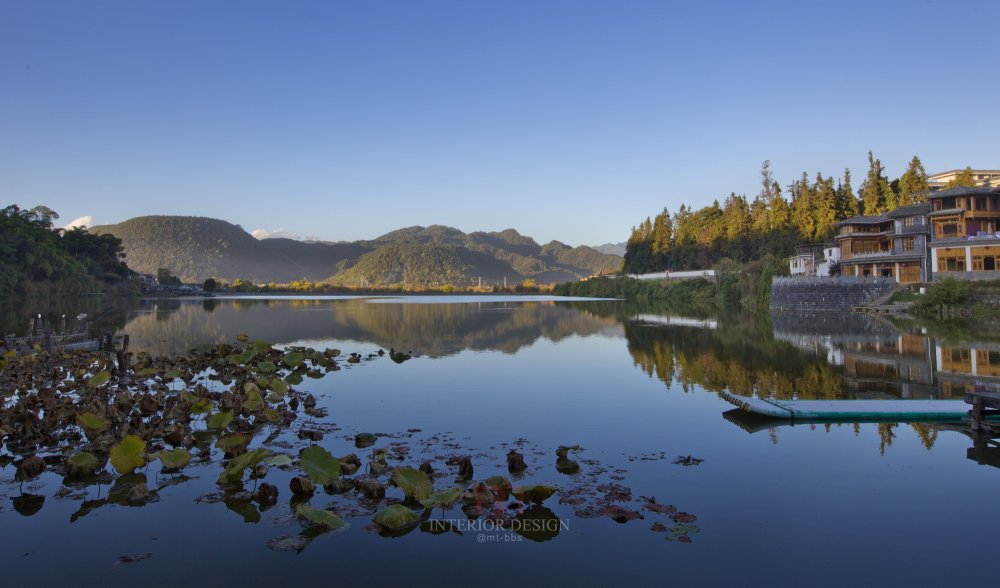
[{"x": 977, "y": 413}]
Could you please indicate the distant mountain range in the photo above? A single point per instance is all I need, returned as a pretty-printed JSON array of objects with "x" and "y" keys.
[
  {"x": 611, "y": 249},
  {"x": 196, "y": 248}
]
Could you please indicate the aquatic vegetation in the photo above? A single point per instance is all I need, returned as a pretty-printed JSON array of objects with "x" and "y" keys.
[{"x": 229, "y": 408}]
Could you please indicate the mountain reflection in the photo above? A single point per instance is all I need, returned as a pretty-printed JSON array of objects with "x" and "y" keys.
[{"x": 432, "y": 330}]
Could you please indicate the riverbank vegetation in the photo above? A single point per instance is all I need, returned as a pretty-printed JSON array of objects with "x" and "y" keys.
[
  {"x": 735, "y": 285},
  {"x": 952, "y": 299}
]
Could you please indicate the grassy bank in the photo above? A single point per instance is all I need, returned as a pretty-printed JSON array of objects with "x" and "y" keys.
[
  {"x": 735, "y": 286},
  {"x": 958, "y": 300}
]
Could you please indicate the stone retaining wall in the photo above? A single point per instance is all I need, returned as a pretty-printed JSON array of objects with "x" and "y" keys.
[{"x": 827, "y": 293}]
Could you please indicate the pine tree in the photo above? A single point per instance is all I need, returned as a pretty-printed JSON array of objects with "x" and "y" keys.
[
  {"x": 802, "y": 205},
  {"x": 824, "y": 209},
  {"x": 663, "y": 233},
  {"x": 846, "y": 204},
  {"x": 913, "y": 183},
  {"x": 876, "y": 194},
  {"x": 963, "y": 179},
  {"x": 736, "y": 217}
]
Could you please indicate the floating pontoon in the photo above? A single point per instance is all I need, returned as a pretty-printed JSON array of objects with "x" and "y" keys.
[{"x": 853, "y": 410}]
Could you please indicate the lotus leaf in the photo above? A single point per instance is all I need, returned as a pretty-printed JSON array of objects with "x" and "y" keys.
[
  {"x": 442, "y": 499},
  {"x": 235, "y": 441},
  {"x": 277, "y": 460},
  {"x": 267, "y": 367},
  {"x": 174, "y": 460},
  {"x": 172, "y": 374},
  {"x": 145, "y": 372},
  {"x": 242, "y": 338},
  {"x": 319, "y": 516},
  {"x": 536, "y": 493},
  {"x": 201, "y": 406},
  {"x": 83, "y": 462},
  {"x": 254, "y": 402},
  {"x": 395, "y": 517},
  {"x": 233, "y": 474},
  {"x": 92, "y": 422},
  {"x": 99, "y": 379},
  {"x": 293, "y": 359},
  {"x": 261, "y": 346},
  {"x": 319, "y": 464},
  {"x": 279, "y": 386},
  {"x": 219, "y": 420},
  {"x": 414, "y": 483},
  {"x": 128, "y": 454}
]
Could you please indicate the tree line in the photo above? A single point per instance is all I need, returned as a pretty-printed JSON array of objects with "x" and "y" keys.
[
  {"x": 770, "y": 224},
  {"x": 33, "y": 251}
]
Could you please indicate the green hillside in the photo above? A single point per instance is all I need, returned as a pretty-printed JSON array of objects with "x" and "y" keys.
[{"x": 196, "y": 248}]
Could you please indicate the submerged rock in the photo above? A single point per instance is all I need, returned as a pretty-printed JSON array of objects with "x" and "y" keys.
[
  {"x": 302, "y": 486},
  {"x": 515, "y": 462}
]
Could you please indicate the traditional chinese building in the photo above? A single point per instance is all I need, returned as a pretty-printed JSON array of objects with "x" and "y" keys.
[
  {"x": 893, "y": 245},
  {"x": 966, "y": 232}
]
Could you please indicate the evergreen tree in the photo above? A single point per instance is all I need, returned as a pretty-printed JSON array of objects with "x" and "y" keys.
[
  {"x": 963, "y": 179},
  {"x": 844, "y": 203},
  {"x": 913, "y": 183},
  {"x": 824, "y": 206},
  {"x": 663, "y": 233},
  {"x": 802, "y": 207},
  {"x": 876, "y": 194},
  {"x": 736, "y": 217}
]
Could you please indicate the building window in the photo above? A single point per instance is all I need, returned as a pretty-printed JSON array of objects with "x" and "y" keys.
[
  {"x": 908, "y": 244},
  {"x": 948, "y": 230},
  {"x": 951, "y": 260},
  {"x": 912, "y": 221}
]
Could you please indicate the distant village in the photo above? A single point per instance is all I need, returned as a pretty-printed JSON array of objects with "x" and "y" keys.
[{"x": 955, "y": 233}]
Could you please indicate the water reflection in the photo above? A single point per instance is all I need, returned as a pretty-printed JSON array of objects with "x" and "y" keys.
[{"x": 432, "y": 330}]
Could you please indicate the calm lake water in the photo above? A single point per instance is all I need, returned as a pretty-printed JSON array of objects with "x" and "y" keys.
[{"x": 635, "y": 388}]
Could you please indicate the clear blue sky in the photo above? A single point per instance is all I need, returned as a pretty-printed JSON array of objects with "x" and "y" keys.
[{"x": 566, "y": 120}]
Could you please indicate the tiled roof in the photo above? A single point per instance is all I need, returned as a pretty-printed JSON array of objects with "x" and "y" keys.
[
  {"x": 865, "y": 220},
  {"x": 912, "y": 209},
  {"x": 961, "y": 191}
]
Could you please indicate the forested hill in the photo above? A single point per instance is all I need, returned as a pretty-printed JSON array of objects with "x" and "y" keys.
[
  {"x": 196, "y": 248},
  {"x": 33, "y": 251}
]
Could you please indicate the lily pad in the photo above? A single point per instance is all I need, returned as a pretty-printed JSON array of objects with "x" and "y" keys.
[
  {"x": 92, "y": 423},
  {"x": 175, "y": 460},
  {"x": 83, "y": 463},
  {"x": 279, "y": 386},
  {"x": 414, "y": 483},
  {"x": 442, "y": 499},
  {"x": 277, "y": 460},
  {"x": 536, "y": 493},
  {"x": 99, "y": 379},
  {"x": 254, "y": 402},
  {"x": 320, "y": 516},
  {"x": 128, "y": 454},
  {"x": 395, "y": 517},
  {"x": 293, "y": 359},
  {"x": 319, "y": 464},
  {"x": 219, "y": 420},
  {"x": 233, "y": 474},
  {"x": 201, "y": 406}
]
